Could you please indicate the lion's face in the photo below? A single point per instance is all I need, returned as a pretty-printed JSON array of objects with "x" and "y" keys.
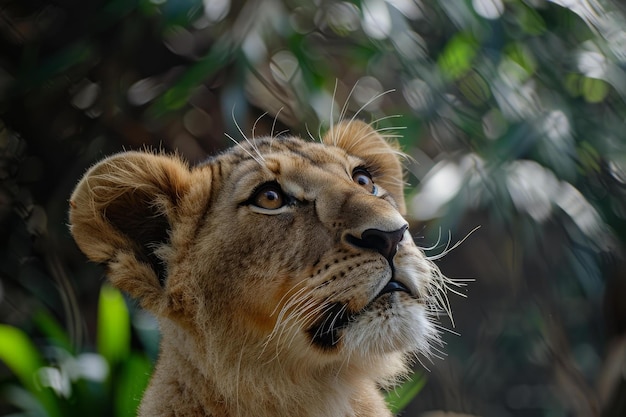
[{"x": 297, "y": 248}]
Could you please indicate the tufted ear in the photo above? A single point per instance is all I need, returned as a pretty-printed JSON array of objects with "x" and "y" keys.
[
  {"x": 121, "y": 213},
  {"x": 360, "y": 139}
]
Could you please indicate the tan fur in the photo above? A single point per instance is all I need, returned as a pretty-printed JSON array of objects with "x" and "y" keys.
[{"x": 249, "y": 299}]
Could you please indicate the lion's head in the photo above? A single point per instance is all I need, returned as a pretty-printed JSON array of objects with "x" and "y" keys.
[{"x": 279, "y": 263}]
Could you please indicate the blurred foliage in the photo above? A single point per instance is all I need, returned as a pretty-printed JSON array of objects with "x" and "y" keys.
[
  {"x": 56, "y": 380},
  {"x": 513, "y": 113},
  {"x": 399, "y": 398}
]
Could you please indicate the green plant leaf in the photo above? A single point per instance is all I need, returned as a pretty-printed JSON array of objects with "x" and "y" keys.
[
  {"x": 46, "y": 322},
  {"x": 177, "y": 96},
  {"x": 22, "y": 399},
  {"x": 399, "y": 398},
  {"x": 530, "y": 21},
  {"x": 458, "y": 55},
  {"x": 38, "y": 73},
  {"x": 113, "y": 325},
  {"x": 594, "y": 90},
  {"x": 21, "y": 356},
  {"x": 131, "y": 384}
]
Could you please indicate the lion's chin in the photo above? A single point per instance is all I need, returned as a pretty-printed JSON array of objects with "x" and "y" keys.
[
  {"x": 391, "y": 325},
  {"x": 325, "y": 333},
  {"x": 393, "y": 321}
]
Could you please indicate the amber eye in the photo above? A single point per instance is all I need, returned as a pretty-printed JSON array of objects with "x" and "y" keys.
[
  {"x": 363, "y": 178},
  {"x": 269, "y": 197}
]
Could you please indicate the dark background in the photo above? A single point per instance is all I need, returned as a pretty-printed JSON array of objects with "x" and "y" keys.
[{"x": 513, "y": 113}]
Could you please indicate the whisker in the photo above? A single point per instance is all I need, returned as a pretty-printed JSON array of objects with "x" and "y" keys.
[
  {"x": 255, "y": 123},
  {"x": 306, "y": 126},
  {"x": 441, "y": 355},
  {"x": 370, "y": 101},
  {"x": 391, "y": 116},
  {"x": 331, "y": 125},
  {"x": 245, "y": 150},
  {"x": 449, "y": 249},
  {"x": 274, "y": 122},
  {"x": 344, "y": 109},
  {"x": 392, "y": 128},
  {"x": 445, "y": 329},
  {"x": 251, "y": 143},
  {"x": 427, "y": 248},
  {"x": 456, "y": 292},
  {"x": 282, "y": 132},
  {"x": 419, "y": 360}
]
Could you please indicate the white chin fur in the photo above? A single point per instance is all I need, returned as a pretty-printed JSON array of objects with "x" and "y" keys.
[{"x": 401, "y": 328}]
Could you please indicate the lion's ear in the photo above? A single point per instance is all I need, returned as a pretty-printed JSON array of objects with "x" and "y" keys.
[
  {"x": 360, "y": 139},
  {"x": 121, "y": 213}
]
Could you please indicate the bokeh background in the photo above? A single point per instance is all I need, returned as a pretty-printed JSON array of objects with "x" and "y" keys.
[{"x": 513, "y": 114}]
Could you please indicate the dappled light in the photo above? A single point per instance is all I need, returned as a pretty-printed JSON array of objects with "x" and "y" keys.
[{"x": 512, "y": 115}]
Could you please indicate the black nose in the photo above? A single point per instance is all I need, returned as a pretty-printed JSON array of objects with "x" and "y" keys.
[{"x": 383, "y": 242}]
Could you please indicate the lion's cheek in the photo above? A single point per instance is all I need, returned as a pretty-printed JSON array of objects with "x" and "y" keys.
[
  {"x": 259, "y": 303},
  {"x": 256, "y": 318}
]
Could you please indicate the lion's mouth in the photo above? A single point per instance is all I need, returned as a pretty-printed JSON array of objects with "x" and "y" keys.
[
  {"x": 325, "y": 331},
  {"x": 392, "y": 286}
]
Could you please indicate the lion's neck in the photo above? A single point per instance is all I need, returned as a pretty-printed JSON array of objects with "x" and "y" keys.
[{"x": 237, "y": 383}]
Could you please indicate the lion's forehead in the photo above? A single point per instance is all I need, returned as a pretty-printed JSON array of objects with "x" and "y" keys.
[
  {"x": 315, "y": 153},
  {"x": 295, "y": 163}
]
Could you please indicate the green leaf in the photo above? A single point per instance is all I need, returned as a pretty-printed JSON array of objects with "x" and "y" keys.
[
  {"x": 36, "y": 73},
  {"x": 474, "y": 88},
  {"x": 530, "y": 21},
  {"x": 46, "y": 322},
  {"x": 522, "y": 56},
  {"x": 131, "y": 384},
  {"x": 399, "y": 398},
  {"x": 458, "y": 55},
  {"x": 177, "y": 96},
  {"x": 113, "y": 325},
  {"x": 180, "y": 12},
  {"x": 21, "y": 399},
  {"x": 22, "y": 357},
  {"x": 594, "y": 90}
]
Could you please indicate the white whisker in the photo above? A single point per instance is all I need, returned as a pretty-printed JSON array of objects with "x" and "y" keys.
[
  {"x": 260, "y": 162},
  {"x": 251, "y": 143},
  {"x": 313, "y": 139},
  {"x": 449, "y": 249},
  {"x": 274, "y": 122},
  {"x": 445, "y": 329},
  {"x": 370, "y": 101},
  {"x": 392, "y": 116},
  {"x": 344, "y": 109},
  {"x": 255, "y": 123},
  {"x": 427, "y": 248},
  {"x": 332, "y": 117}
]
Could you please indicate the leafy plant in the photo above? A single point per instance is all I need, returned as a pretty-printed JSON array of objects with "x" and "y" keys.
[
  {"x": 514, "y": 111},
  {"x": 401, "y": 397},
  {"x": 54, "y": 380}
]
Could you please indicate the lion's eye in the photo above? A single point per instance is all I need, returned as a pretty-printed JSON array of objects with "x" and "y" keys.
[
  {"x": 269, "y": 197},
  {"x": 363, "y": 178}
]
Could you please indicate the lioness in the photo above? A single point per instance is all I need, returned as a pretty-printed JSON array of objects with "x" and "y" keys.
[{"x": 282, "y": 272}]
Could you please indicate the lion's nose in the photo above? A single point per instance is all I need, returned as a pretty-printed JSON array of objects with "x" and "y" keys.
[{"x": 385, "y": 243}]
